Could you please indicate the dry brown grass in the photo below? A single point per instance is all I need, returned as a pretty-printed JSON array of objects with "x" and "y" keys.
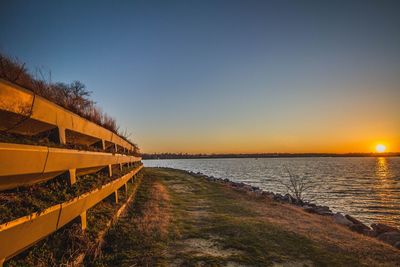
[
  {"x": 324, "y": 230},
  {"x": 141, "y": 235},
  {"x": 155, "y": 216}
]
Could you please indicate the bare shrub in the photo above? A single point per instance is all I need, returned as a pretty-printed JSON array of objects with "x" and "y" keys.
[
  {"x": 297, "y": 185},
  {"x": 109, "y": 122},
  {"x": 11, "y": 69}
]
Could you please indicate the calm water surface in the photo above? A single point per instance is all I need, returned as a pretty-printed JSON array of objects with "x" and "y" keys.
[{"x": 367, "y": 188}]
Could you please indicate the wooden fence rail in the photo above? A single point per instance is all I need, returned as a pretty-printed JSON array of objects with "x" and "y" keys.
[
  {"x": 19, "y": 234},
  {"x": 22, "y": 165}
]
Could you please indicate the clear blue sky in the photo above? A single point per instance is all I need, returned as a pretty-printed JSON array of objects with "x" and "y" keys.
[{"x": 225, "y": 76}]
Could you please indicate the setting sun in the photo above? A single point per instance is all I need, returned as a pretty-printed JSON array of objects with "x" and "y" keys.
[{"x": 380, "y": 148}]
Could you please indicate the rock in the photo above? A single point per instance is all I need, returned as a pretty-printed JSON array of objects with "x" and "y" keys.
[
  {"x": 292, "y": 200},
  {"x": 241, "y": 184},
  {"x": 309, "y": 209},
  {"x": 360, "y": 228},
  {"x": 309, "y": 204},
  {"x": 397, "y": 245},
  {"x": 381, "y": 228},
  {"x": 353, "y": 220},
  {"x": 268, "y": 195},
  {"x": 286, "y": 198},
  {"x": 369, "y": 232},
  {"x": 340, "y": 219},
  {"x": 258, "y": 192},
  {"x": 392, "y": 238},
  {"x": 321, "y": 210},
  {"x": 325, "y": 213},
  {"x": 247, "y": 187}
]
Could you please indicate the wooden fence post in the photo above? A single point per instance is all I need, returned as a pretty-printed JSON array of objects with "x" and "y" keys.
[
  {"x": 61, "y": 135},
  {"x": 83, "y": 220},
  {"x": 109, "y": 170},
  {"x": 116, "y": 196},
  {"x": 72, "y": 176}
]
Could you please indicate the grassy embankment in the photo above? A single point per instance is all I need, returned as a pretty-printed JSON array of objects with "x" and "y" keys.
[{"x": 180, "y": 220}]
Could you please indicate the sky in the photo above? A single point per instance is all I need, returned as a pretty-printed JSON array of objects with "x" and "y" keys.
[{"x": 224, "y": 76}]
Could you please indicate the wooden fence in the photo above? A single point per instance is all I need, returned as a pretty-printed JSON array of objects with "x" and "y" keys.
[
  {"x": 17, "y": 235},
  {"x": 25, "y": 113}
]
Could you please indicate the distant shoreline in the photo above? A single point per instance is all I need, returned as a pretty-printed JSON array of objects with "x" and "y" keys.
[{"x": 265, "y": 155}]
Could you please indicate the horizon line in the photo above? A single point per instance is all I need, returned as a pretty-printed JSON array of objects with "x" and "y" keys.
[
  {"x": 270, "y": 153},
  {"x": 265, "y": 155}
]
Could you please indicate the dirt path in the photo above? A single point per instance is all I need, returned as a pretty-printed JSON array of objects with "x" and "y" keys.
[{"x": 181, "y": 220}]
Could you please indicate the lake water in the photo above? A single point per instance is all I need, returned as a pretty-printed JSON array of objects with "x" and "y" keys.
[{"x": 367, "y": 188}]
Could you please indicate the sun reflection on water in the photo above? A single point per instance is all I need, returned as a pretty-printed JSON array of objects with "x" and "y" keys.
[
  {"x": 381, "y": 168},
  {"x": 384, "y": 192}
]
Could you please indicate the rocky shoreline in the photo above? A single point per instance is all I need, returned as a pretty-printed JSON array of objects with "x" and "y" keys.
[{"x": 385, "y": 233}]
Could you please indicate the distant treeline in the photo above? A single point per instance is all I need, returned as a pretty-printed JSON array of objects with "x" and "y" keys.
[{"x": 263, "y": 155}]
